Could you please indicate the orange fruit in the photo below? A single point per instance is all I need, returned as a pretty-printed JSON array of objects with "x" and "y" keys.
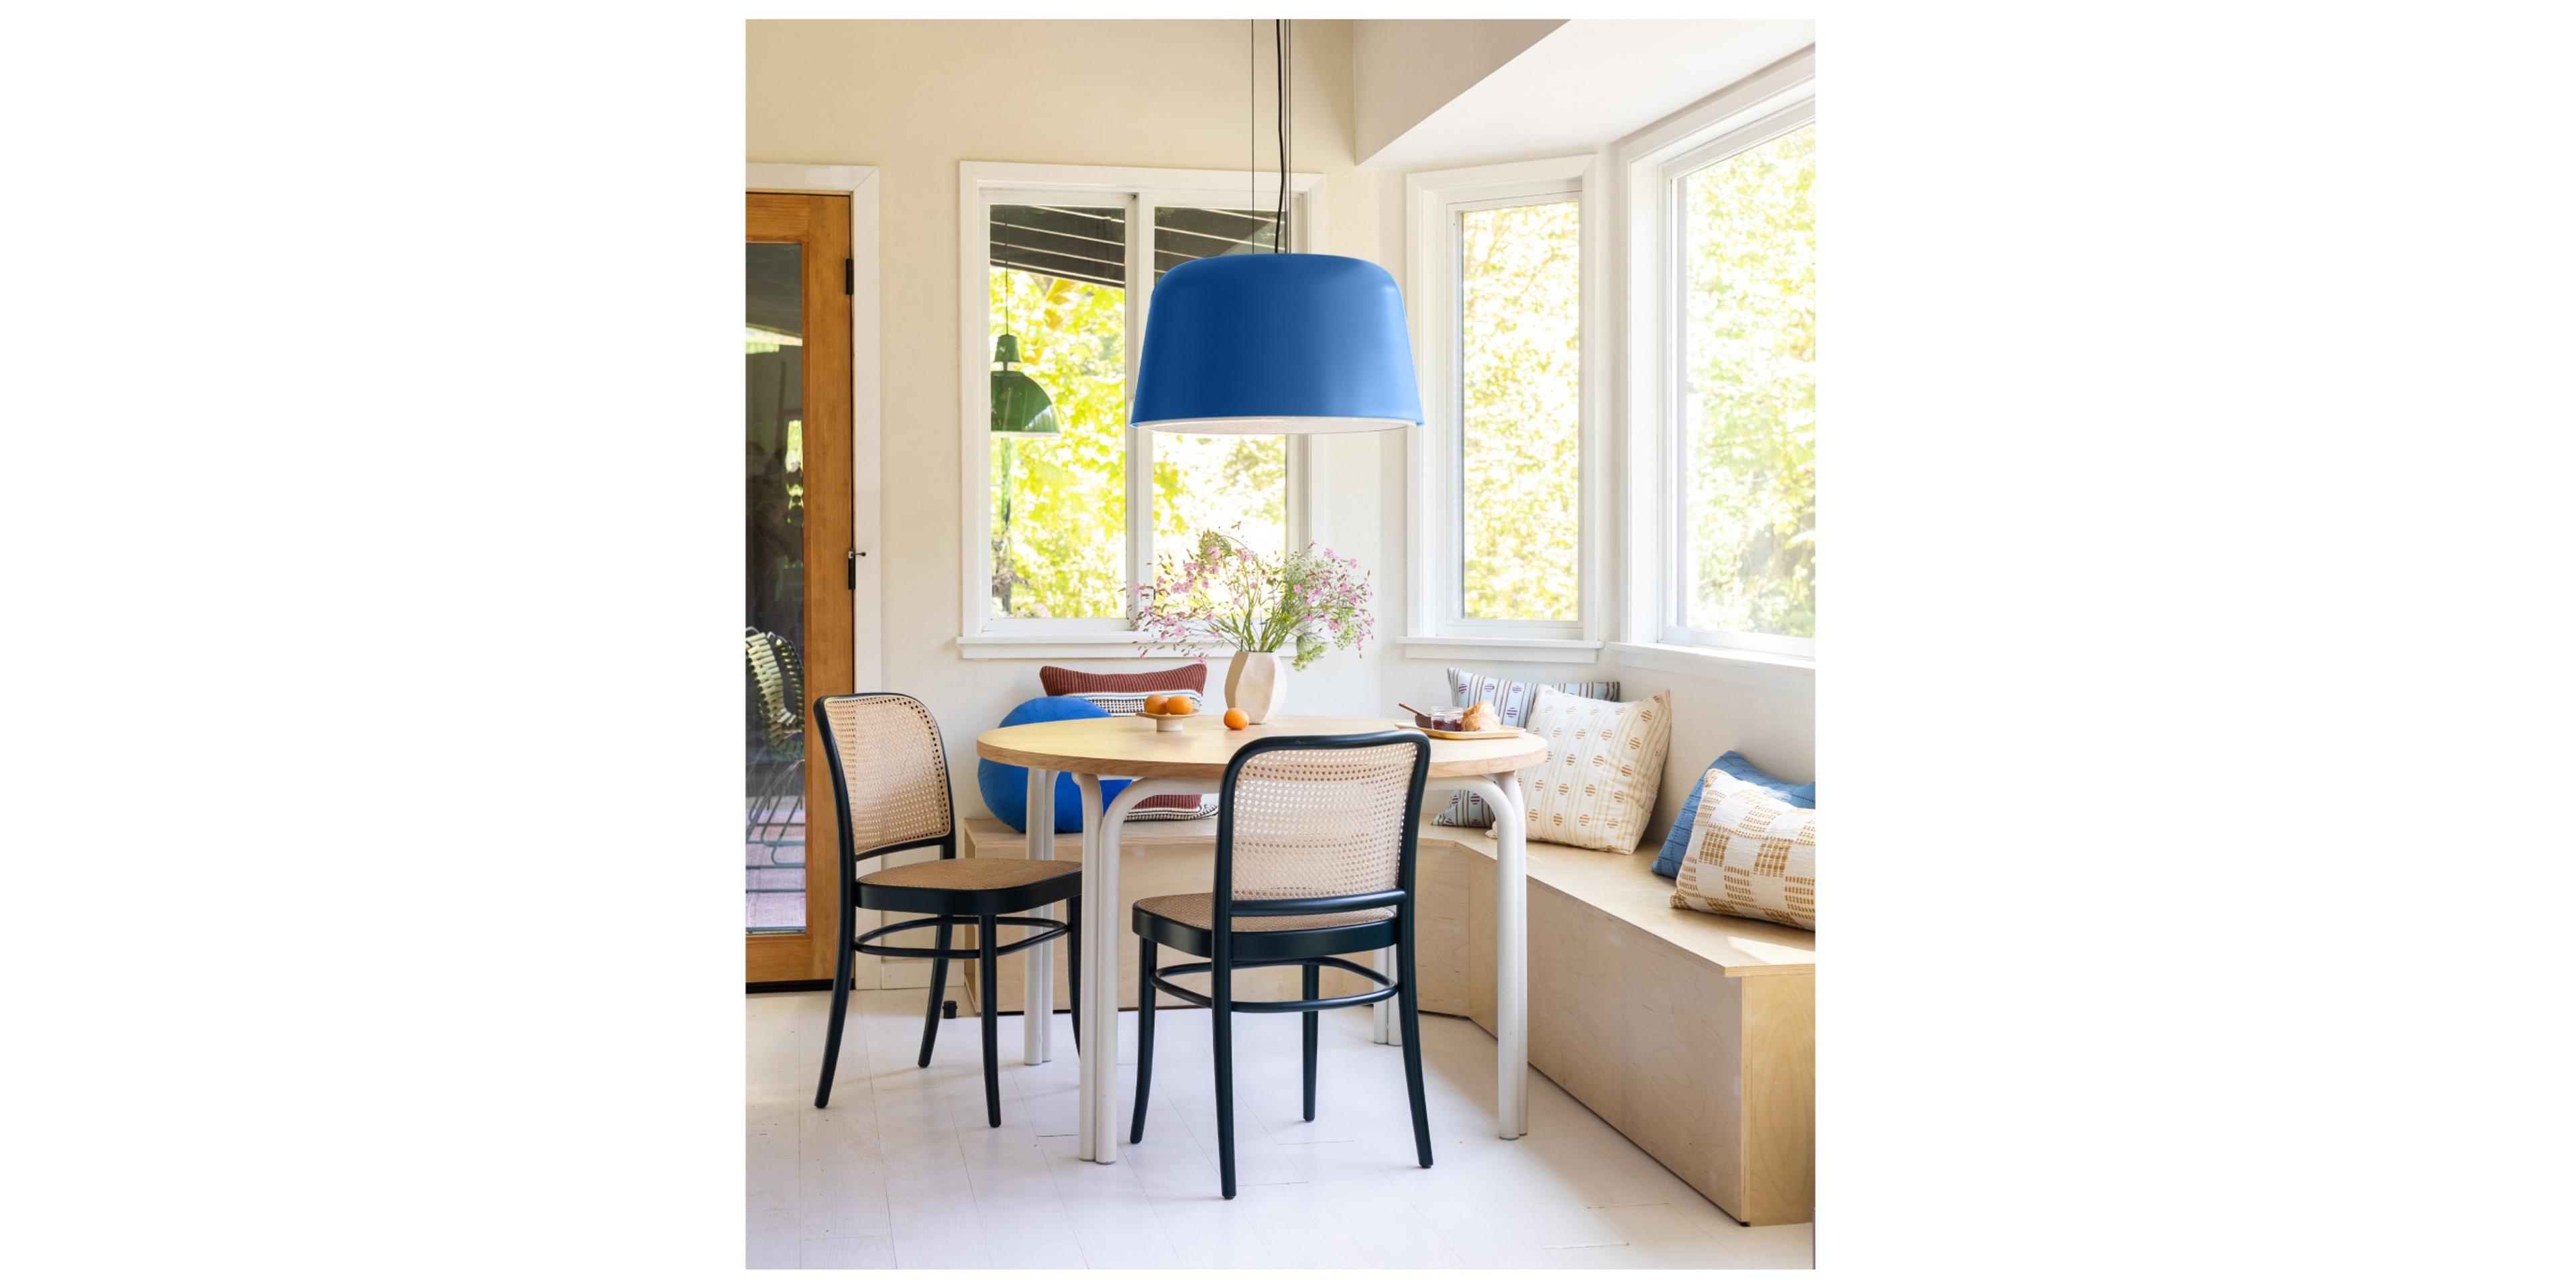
[
  {"x": 1180, "y": 705},
  {"x": 1235, "y": 719},
  {"x": 1156, "y": 704}
]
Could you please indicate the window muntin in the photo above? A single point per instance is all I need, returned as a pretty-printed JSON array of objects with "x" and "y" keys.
[
  {"x": 1517, "y": 460},
  {"x": 1744, "y": 539}
]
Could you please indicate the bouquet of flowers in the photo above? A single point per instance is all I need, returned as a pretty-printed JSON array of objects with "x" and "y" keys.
[{"x": 1222, "y": 591}]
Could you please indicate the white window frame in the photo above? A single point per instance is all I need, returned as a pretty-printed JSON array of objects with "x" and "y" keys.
[
  {"x": 1436, "y": 562},
  {"x": 1140, "y": 191},
  {"x": 1764, "y": 107}
]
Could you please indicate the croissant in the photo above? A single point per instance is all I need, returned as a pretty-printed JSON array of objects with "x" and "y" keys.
[{"x": 1481, "y": 717}]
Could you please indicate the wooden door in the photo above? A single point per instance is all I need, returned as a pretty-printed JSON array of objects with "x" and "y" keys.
[{"x": 798, "y": 547}]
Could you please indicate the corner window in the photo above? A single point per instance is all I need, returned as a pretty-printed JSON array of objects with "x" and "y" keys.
[
  {"x": 1747, "y": 437},
  {"x": 1503, "y": 463},
  {"x": 1722, "y": 348}
]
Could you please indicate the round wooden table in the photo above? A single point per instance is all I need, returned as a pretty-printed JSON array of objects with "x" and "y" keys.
[{"x": 1191, "y": 761}]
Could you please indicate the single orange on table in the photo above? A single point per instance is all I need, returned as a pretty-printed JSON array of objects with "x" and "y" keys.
[
  {"x": 1178, "y": 705},
  {"x": 1156, "y": 704},
  {"x": 1235, "y": 719}
]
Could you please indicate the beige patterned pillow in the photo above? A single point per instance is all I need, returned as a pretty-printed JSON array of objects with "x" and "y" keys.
[
  {"x": 1605, "y": 760},
  {"x": 1750, "y": 855}
]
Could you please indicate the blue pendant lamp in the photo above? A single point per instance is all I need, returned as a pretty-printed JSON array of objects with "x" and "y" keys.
[{"x": 1277, "y": 343}]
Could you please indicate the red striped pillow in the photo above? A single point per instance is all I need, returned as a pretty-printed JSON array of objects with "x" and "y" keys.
[{"x": 1123, "y": 693}]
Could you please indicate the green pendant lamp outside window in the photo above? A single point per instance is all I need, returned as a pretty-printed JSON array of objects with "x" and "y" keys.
[{"x": 1021, "y": 409}]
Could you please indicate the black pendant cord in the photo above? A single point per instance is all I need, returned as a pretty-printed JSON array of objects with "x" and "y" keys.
[
  {"x": 1251, "y": 115},
  {"x": 1279, "y": 220}
]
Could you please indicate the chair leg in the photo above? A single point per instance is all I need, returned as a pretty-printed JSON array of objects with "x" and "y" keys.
[
  {"x": 938, "y": 993},
  {"x": 841, "y": 968},
  {"x": 1314, "y": 1022},
  {"x": 1144, "y": 1033},
  {"x": 1073, "y": 972},
  {"x": 1409, "y": 1015},
  {"x": 1221, "y": 1021},
  {"x": 989, "y": 955}
]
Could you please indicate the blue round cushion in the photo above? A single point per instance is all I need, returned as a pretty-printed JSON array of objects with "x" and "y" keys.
[{"x": 1006, "y": 787}]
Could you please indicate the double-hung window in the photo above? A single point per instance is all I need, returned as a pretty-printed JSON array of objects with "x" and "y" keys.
[
  {"x": 1060, "y": 526},
  {"x": 1727, "y": 277},
  {"x": 1503, "y": 467}
]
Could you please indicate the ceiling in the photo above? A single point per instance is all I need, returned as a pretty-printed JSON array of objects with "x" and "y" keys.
[{"x": 1591, "y": 82}]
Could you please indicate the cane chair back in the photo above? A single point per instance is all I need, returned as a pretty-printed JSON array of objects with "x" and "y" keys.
[
  {"x": 886, "y": 744},
  {"x": 1321, "y": 818}
]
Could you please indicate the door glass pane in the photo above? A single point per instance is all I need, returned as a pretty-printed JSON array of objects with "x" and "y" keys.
[
  {"x": 1235, "y": 482},
  {"x": 774, "y": 590},
  {"x": 1749, "y": 367},
  {"x": 1520, "y": 306},
  {"x": 1059, "y": 519}
]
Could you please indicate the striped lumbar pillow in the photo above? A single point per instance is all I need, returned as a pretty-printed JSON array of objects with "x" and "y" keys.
[
  {"x": 1512, "y": 700},
  {"x": 1750, "y": 855},
  {"x": 1123, "y": 693}
]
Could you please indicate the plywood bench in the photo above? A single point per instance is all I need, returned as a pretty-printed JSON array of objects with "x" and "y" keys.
[{"x": 1692, "y": 1034}]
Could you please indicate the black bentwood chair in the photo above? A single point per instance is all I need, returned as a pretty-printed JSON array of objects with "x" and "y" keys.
[
  {"x": 1314, "y": 858},
  {"x": 889, "y": 745}
]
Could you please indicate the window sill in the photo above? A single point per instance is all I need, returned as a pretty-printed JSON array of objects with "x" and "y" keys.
[
  {"x": 1468, "y": 649},
  {"x": 1076, "y": 644},
  {"x": 1770, "y": 670}
]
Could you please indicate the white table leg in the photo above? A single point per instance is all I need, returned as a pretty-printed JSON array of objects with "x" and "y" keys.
[
  {"x": 1511, "y": 959},
  {"x": 1100, "y": 946},
  {"x": 1103, "y": 921},
  {"x": 1092, "y": 1131},
  {"x": 1037, "y": 974}
]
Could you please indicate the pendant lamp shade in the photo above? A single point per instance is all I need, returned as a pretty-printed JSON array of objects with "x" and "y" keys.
[
  {"x": 1021, "y": 407},
  {"x": 1276, "y": 344}
]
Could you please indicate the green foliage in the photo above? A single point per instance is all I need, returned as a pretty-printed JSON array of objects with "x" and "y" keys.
[
  {"x": 1750, "y": 230},
  {"x": 1059, "y": 527},
  {"x": 1059, "y": 517},
  {"x": 1521, "y": 361}
]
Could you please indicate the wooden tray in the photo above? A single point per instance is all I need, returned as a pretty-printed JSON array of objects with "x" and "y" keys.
[{"x": 1460, "y": 735}]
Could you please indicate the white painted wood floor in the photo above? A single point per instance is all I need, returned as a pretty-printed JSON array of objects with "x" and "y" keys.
[{"x": 901, "y": 1172}]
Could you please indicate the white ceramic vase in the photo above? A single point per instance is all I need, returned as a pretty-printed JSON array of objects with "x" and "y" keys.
[{"x": 1257, "y": 685}]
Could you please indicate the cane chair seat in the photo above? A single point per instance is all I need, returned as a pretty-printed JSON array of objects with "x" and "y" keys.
[
  {"x": 971, "y": 874},
  {"x": 1198, "y": 912}
]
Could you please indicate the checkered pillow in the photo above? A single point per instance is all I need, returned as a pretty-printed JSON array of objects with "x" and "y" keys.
[
  {"x": 1750, "y": 856},
  {"x": 1512, "y": 701}
]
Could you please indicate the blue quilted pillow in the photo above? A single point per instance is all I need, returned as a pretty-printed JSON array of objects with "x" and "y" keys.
[
  {"x": 1006, "y": 787},
  {"x": 1668, "y": 860}
]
